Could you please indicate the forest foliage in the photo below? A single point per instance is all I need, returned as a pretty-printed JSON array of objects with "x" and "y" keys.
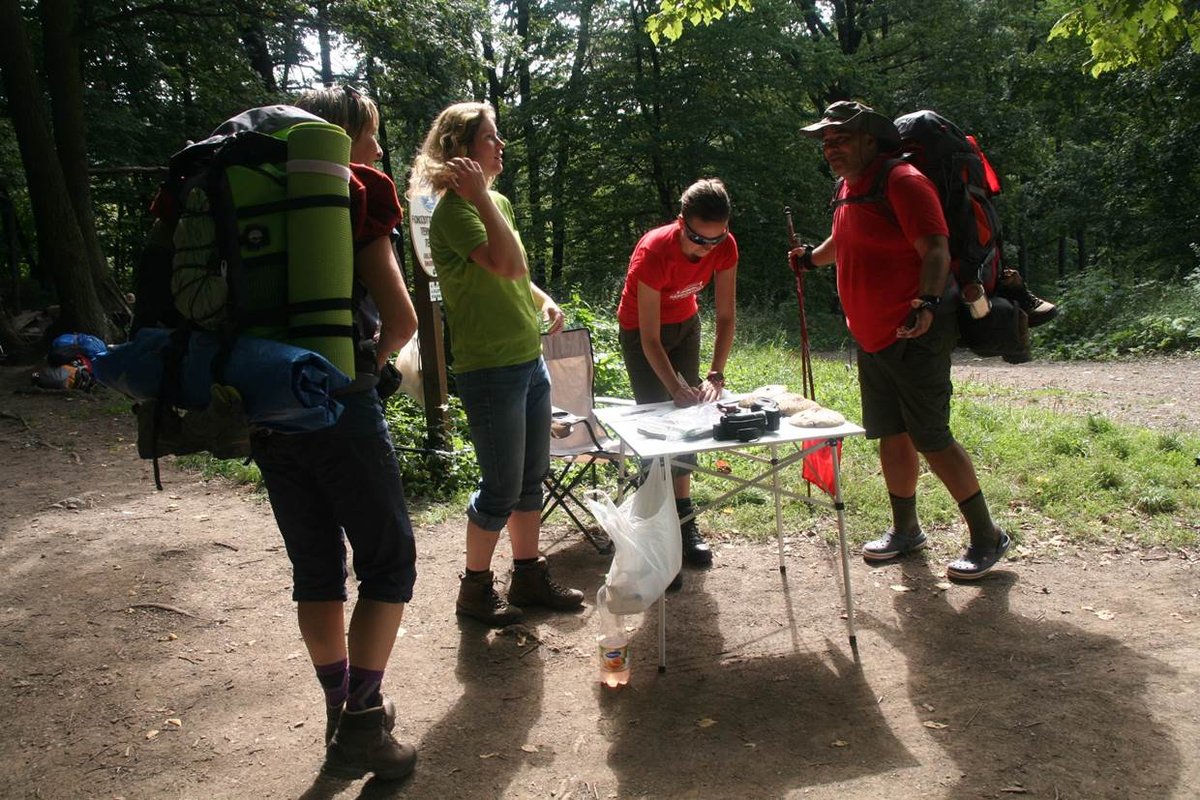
[{"x": 607, "y": 124}]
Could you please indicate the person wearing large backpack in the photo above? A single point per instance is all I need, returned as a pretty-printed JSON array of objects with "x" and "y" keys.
[
  {"x": 494, "y": 312},
  {"x": 342, "y": 483},
  {"x": 893, "y": 268}
]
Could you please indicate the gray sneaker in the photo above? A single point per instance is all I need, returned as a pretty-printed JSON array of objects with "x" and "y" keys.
[
  {"x": 978, "y": 561},
  {"x": 893, "y": 545}
]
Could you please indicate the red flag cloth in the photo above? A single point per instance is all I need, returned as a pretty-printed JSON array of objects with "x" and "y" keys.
[{"x": 818, "y": 465}]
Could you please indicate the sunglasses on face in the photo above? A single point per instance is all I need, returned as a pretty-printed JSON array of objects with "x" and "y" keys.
[{"x": 703, "y": 241}]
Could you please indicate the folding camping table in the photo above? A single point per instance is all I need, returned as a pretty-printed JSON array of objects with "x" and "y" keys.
[{"x": 787, "y": 448}]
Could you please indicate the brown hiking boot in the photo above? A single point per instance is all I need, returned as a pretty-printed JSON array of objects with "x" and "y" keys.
[
  {"x": 477, "y": 599},
  {"x": 333, "y": 715},
  {"x": 362, "y": 744},
  {"x": 532, "y": 586}
]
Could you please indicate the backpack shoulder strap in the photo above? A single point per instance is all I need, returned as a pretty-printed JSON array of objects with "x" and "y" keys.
[{"x": 876, "y": 194}]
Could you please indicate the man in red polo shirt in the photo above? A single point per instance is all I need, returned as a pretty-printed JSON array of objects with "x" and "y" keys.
[
  {"x": 893, "y": 265},
  {"x": 660, "y": 321}
]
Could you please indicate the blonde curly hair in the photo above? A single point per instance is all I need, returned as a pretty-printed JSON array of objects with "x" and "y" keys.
[{"x": 449, "y": 137}]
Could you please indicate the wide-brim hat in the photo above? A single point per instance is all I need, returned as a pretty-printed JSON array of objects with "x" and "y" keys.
[{"x": 851, "y": 115}]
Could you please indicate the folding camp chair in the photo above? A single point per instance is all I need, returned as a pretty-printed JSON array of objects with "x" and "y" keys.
[{"x": 578, "y": 442}]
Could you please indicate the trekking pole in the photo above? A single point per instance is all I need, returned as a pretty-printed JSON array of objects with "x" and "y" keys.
[{"x": 809, "y": 389}]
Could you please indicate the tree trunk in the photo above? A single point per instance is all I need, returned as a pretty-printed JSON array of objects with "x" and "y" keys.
[
  {"x": 1062, "y": 257},
  {"x": 574, "y": 88},
  {"x": 61, "y": 244},
  {"x": 64, "y": 81},
  {"x": 651, "y": 111},
  {"x": 536, "y": 243},
  {"x": 254, "y": 42},
  {"x": 323, "y": 42},
  {"x": 496, "y": 90},
  {"x": 1080, "y": 250},
  {"x": 1022, "y": 251}
]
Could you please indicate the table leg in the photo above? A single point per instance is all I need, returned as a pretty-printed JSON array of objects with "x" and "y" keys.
[
  {"x": 662, "y": 633},
  {"x": 841, "y": 519},
  {"x": 778, "y": 509}
]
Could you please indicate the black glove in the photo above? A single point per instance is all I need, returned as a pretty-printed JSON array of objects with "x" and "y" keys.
[
  {"x": 804, "y": 262},
  {"x": 389, "y": 381}
]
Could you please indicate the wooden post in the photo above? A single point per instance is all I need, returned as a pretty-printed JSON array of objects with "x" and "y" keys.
[{"x": 433, "y": 359}]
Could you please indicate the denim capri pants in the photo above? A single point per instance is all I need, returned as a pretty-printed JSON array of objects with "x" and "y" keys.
[{"x": 508, "y": 409}]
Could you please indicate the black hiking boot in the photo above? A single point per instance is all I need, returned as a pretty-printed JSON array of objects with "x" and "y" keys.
[
  {"x": 362, "y": 743},
  {"x": 695, "y": 550},
  {"x": 477, "y": 599},
  {"x": 532, "y": 586}
]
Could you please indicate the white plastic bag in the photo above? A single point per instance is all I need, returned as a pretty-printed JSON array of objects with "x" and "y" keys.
[
  {"x": 408, "y": 361},
  {"x": 645, "y": 533}
]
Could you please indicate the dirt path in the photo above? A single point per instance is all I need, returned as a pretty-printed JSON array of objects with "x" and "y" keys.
[{"x": 149, "y": 649}]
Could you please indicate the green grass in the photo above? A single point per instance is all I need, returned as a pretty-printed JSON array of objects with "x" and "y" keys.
[
  {"x": 234, "y": 470},
  {"x": 1083, "y": 479}
]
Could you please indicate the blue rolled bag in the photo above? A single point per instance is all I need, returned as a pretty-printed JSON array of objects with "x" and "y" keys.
[{"x": 283, "y": 388}]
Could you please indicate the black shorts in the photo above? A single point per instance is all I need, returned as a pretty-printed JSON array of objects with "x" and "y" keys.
[
  {"x": 906, "y": 387},
  {"x": 344, "y": 478},
  {"x": 681, "y": 340}
]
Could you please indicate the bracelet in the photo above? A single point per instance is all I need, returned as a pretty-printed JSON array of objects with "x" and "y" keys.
[
  {"x": 930, "y": 301},
  {"x": 715, "y": 377}
]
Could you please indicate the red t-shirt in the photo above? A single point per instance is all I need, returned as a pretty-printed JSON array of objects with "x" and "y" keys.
[
  {"x": 658, "y": 261},
  {"x": 878, "y": 269}
]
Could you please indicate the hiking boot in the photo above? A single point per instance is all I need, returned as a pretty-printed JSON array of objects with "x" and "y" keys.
[
  {"x": 893, "y": 545},
  {"x": 1012, "y": 286},
  {"x": 532, "y": 586},
  {"x": 676, "y": 583},
  {"x": 333, "y": 714},
  {"x": 978, "y": 561},
  {"x": 362, "y": 743},
  {"x": 477, "y": 599},
  {"x": 695, "y": 550}
]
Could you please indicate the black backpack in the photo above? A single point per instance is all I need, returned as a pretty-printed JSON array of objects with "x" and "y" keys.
[{"x": 965, "y": 183}]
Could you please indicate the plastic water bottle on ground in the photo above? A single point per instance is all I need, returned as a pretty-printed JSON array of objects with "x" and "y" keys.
[{"x": 612, "y": 645}]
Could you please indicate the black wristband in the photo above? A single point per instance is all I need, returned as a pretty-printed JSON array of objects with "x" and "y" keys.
[
  {"x": 715, "y": 377},
  {"x": 930, "y": 301},
  {"x": 806, "y": 261}
]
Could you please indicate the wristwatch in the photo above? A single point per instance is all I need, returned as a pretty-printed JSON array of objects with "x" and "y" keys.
[{"x": 715, "y": 377}]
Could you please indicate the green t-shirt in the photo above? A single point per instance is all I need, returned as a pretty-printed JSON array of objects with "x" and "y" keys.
[{"x": 493, "y": 321}]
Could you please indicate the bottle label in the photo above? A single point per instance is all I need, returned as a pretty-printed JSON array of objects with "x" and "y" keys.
[{"x": 614, "y": 658}]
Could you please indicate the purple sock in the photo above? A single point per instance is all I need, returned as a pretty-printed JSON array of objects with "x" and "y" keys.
[
  {"x": 333, "y": 678},
  {"x": 364, "y": 689}
]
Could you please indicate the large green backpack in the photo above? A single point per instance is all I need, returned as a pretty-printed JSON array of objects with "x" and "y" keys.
[{"x": 252, "y": 238}]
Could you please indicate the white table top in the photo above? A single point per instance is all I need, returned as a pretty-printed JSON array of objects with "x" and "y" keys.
[{"x": 624, "y": 421}]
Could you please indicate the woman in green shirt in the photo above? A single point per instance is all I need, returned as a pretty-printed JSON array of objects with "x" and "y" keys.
[{"x": 494, "y": 313}]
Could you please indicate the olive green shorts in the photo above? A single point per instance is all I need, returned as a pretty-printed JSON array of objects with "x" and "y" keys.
[{"x": 906, "y": 387}]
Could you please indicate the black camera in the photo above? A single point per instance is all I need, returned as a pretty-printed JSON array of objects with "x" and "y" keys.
[{"x": 746, "y": 426}]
